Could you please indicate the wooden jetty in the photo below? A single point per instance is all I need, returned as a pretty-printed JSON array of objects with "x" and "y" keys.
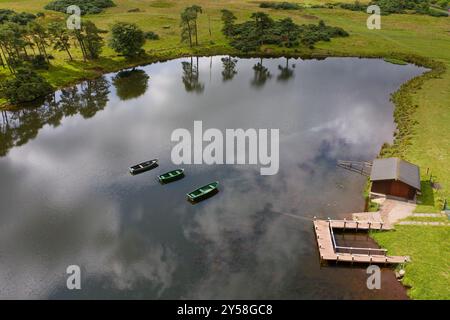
[
  {"x": 362, "y": 167},
  {"x": 329, "y": 251},
  {"x": 356, "y": 225}
]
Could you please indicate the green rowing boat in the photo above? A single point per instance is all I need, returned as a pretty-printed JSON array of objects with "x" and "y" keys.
[
  {"x": 204, "y": 191},
  {"x": 171, "y": 175}
]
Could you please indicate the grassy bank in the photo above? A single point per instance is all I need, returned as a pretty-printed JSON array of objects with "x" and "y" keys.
[
  {"x": 428, "y": 274},
  {"x": 422, "y": 105}
]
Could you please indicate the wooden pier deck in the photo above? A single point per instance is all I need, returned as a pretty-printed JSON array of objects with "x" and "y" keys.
[
  {"x": 329, "y": 251},
  {"x": 359, "y": 225}
]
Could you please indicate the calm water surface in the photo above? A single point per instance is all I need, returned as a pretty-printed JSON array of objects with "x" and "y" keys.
[{"x": 67, "y": 199}]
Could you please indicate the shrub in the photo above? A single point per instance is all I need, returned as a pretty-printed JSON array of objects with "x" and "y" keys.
[
  {"x": 150, "y": 35},
  {"x": 22, "y": 18},
  {"x": 25, "y": 86},
  {"x": 86, "y": 6},
  {"x": 280, "y": 5},
  {"x": 396, "y": 6},
  {"x": 39, "y": 62}
]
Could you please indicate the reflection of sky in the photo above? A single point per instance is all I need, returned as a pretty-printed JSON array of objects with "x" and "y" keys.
[{"x": 67, "y": 198}]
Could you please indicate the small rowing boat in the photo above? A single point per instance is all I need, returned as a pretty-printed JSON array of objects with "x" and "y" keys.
[
  {"x": 204, "y": 191},
  {"x": 171, "y": 176},
  {"x": 144, "y": 166}
]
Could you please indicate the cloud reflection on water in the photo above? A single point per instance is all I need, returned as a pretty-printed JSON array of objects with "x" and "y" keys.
[{"x": 67, "y": 198}]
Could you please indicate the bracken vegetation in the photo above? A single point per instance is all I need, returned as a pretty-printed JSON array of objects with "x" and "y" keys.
[{"x": 280, "y": 5}]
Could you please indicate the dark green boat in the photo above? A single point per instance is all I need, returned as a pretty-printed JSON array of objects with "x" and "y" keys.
[
  {"x": 203, "y": 192},
  {"x": 171, "y": 176}
]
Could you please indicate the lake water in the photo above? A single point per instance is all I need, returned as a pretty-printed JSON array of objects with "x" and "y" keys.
[{"x": 67, "y": 197}]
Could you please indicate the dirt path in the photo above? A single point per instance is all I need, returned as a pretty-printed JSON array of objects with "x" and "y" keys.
[{"x": 391, "y": 211}]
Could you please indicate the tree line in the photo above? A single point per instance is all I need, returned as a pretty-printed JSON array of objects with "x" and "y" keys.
[
  {"x": 401, "y": 6},
  {"x": 27, "y": 40}
]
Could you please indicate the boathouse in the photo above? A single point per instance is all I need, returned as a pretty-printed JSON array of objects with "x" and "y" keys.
[{"x": 395, "y": 177}]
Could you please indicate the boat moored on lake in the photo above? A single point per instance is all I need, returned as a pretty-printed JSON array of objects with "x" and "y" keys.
[
  {"x": 203, "y": 192},
  {"x": 171, "y": 176},
  {"x": 143, "y": 166}
]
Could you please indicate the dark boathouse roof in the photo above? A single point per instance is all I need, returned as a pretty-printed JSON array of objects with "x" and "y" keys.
[{"x": 396, "y": 169}]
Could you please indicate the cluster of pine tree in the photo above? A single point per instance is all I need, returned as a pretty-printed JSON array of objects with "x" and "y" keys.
[
  {"x": 25, "y": 43},
  {"x": 262, "y": 29}
]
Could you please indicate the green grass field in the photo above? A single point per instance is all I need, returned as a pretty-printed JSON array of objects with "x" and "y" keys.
[
  {"x": 428, "y": 274},
  {"x": 401, "y": 35}
]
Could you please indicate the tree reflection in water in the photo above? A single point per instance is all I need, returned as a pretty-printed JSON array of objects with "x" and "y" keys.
[
  {"x": 130, "y": 84},
  {"x": 261, "y": 75},
  {"x": 191, "y": 77},
  {"x": 286, "y": 73},
  {"x": 229, "y": 68},
  {"x": 19, "y": 127}
]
